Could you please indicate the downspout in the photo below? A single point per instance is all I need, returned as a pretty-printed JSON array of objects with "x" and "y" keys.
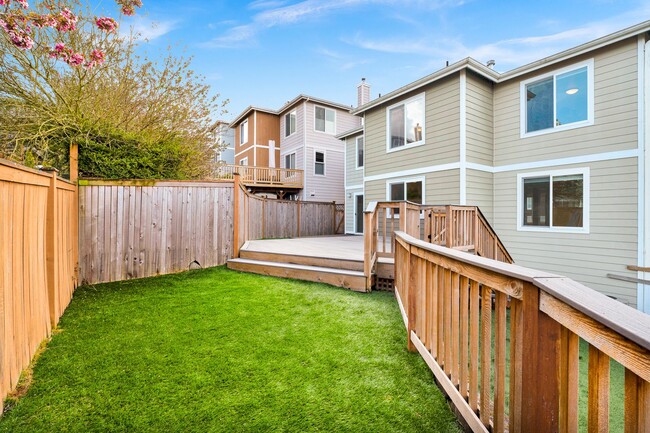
[{"x": 643, "y": 301}]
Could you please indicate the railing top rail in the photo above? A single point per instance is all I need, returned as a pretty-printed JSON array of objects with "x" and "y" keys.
[
  {"x": 626, "y": 321},
  {"x": 261, "y": 167}
]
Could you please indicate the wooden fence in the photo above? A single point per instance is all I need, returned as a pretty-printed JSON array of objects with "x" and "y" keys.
[
  {"x": 261, "y": 218},
  {"x": 135, "y": 229},
  {"x": 458, "y": 310},
  {"x": 38, "y": 257}
]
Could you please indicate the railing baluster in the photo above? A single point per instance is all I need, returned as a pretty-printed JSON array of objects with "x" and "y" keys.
[
  {"x": 637, "y": 403},
  {"x": 569, "y": 365},
  {"x": 441, "y": 315},
  {"x": 464, "y": 335},
  {"x": 474, "y": 312},
  {"x": 500, "y": 362},
  {"x": 435, "y": 331},
  {"x": 455, "y": 327},
  {"x": 486, "y": 354},
  {"x": 598, "y": 411},
  {"x": 447, "y": 321}
]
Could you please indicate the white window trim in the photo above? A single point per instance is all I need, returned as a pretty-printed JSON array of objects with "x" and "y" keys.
[
  {"x": 324, "y": 162},
  {"x": 241, "y": 161},
  {"x": 590, "y": 100},
  {"x": 584, "y": 171},
  {"x": 424, "y": 121},
  {"x": 295, "y": 114},
  {"x": 335, "y": 119},
  {"x": 356, "y": 156},
  {"x": 284, "y": 159},
  {"x": 406, "y": 180},
  {"x": 241, "y": 136}
]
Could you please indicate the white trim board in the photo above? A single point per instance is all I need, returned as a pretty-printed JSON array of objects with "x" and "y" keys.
[
  {"x": 463, "y": 137},
  {"x": 643, "y": 296},
  {"x": 354, "y": 187}
]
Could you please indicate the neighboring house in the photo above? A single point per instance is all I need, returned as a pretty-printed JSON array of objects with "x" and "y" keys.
[
  {"x": 257, "y": 137},
  {"x": 225, "y": 136},
  {"x": 552, "y": 152},
  {"x": 308, "y": 130}
]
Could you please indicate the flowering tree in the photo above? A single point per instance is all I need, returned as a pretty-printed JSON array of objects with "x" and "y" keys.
[
  {"x": 18, "y": 23},
  {"x": 124, "y": 112}
]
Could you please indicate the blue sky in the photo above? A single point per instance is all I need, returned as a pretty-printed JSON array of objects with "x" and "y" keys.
[{"x": 266, "y": 52}]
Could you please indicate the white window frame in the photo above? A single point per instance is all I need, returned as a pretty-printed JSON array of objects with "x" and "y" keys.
[
  {"x": 293, "y": 113},
  {"x": 243, "y": 161},
  {"x": 284, "y": 157},
  {"x": 406, "y": 180},
  {"x": 356, "y": 156},
  {"x": 590, "y": 100},
  {"x": 324, "y": 162},
  {"x": 243, "y": 131},
  {"x": 584, "y": 171},
  {"x": 326, "y": 109},
  {"x": 424, "y": 121}
]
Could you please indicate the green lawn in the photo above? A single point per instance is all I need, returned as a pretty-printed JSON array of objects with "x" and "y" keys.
[{"x": 217, "y": 350}]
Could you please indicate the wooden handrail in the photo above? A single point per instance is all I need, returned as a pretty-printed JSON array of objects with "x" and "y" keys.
[
  {"x": 262, "y": 176},
  {"x": 446, "y": 300},
  {"x": 460, "y": 227}
]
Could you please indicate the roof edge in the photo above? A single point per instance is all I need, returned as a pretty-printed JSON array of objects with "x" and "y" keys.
[
  {"x": 247, "y": 110},
  {"x": 349, "y": 133}
]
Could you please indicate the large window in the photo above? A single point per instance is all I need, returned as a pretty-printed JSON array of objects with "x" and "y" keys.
[
  {"x": 289, "y": 123},
  {"x": 243, "y": 161},
  {"x": 319, "y": 163},
  {"x": 557, "y": 101},
  {"x": 325, "y": 120},
  {"x": 554, "y": 201},
  {"x": 243, "y": 132},
  {"x": 406, "y": 190},
  {"x": 359, "y": 152},
  {"x": 290, "y": 160},
  {"x": 406, "y": 123}
]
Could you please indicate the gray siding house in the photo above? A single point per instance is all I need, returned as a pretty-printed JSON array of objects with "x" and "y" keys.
[
  {"x": 552, "y": 152},
  {"x": 308, "y": 130}
]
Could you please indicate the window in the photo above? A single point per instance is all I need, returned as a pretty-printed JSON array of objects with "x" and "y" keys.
[
  {"x": 408, "y": 190},
  {"x": 290, "y": 160},
  {"x": 243, "y": 161},
  {"x": 406, "y": 123},
  {"x": 556, "y": 201},
  {"x": 562, "y": 100},
  {"x": 319, "y": 163},
  {"x": 289, "y": 123},
  {"x": 325, "y": 120},
  {"x": 359, "y": 152},
  {"x": 243, "y": 132}
]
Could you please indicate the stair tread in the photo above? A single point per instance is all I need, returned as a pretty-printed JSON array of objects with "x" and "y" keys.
[{"x": 300, "y": 267}]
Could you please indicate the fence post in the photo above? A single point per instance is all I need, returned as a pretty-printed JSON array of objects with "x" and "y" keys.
[
  {"x": 535, "y": 367},
  {"x": 51, "y": 256},
  {"x": 334, "y": 217},
  {"x": 413, "y": 279},
  {"x": 299, "y": 222},
  {"x": 74, "y": 177},
  {"x": 449, "y": 224},
  {"x": 235, "y": 238}
]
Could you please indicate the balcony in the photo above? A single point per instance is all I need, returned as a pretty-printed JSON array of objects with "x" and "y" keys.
[{"x": 263, "y": 177}]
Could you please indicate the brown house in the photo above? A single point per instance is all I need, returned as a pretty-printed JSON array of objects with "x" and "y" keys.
[{"x": 257, "y": 138}]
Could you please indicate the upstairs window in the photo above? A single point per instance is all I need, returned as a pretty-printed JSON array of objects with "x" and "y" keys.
[
  {"x": 406, "y": 123},
  {"x": 290, "y": 161},
  {"x": 325, "y": 120},
  {"x": 554, "y": 201},
  {"x": 562, "y": 100},
  {"x": 359, "y": 152},
  {"x": 243, "y": 132},
  {"x": 289, "y": 123},
  {"x": 319, "y": 163}
]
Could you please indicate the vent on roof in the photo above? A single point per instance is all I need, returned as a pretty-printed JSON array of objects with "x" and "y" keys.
[{"x": 491, "y": 63}]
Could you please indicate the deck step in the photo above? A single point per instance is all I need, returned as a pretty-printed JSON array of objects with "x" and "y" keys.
[
  {"x": 325, "y": 262},
  {"x": 346, "y": 278}
]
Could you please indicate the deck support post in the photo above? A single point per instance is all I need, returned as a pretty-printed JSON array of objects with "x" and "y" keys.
[{"x": 535, "y": 366}]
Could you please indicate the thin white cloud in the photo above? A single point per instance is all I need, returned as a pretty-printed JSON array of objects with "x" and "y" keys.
[
  {"x": 508, "y": 53},
  {"x": 342, "y": 61},
  {"x": 266, "y": 4},
  {"x": 307, "y": 9},
  {"x": 149, "y": 29}
]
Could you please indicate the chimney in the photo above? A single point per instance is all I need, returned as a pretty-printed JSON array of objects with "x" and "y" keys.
[
  {"x": 363, "y": 92},
  {"x": 491, "y": 63}
]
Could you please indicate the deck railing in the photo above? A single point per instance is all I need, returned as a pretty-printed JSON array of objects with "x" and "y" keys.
[
  {"x": 458, "y": 310},
  {"x": 459, "y": 227},
  {"x": 262, "y": 176}
]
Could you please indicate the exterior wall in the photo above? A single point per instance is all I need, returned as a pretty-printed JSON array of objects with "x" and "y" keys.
[
  {"x": 249, "y": 143},
  {"x": 615, "y": 112},
  {"x": 248, "y": 152},
  {"x": 609, "y": 247},
  {"x": 267, "y": 127},
  {"x": 329, "y": 187},
  {"x": 480, "y": 192},
  {"x": 354, "y": 175},
  {"x": 441, "y": 187},
  {"x": 442, "y": 132},
  {"x": 480, "y": 121}
]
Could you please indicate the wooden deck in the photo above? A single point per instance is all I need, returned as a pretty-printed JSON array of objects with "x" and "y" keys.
[{"x": 344, "y": 247}]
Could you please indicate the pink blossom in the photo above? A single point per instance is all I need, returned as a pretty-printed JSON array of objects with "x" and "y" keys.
[
  {"x": 128, "y": 6},
  {"x": 76, "y": 59},
  {"x": 45, "y": 20},
  {"x": 67, "y": 21},
  {"x": 106, "y": 24},
  {"x": 23, "y": 3}
]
